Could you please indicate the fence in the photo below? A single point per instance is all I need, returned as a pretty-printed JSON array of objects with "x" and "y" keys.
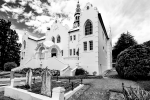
[{"x": 131, "y": 93}]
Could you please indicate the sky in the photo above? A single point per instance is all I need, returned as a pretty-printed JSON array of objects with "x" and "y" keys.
[{"x": 34, "y": 16}]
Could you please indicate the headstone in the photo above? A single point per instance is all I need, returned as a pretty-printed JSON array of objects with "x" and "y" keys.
[
  {"x": 11, "y": 78},
  {"x": 29, "y": 78},
  {"x": 46, "y": 82}
]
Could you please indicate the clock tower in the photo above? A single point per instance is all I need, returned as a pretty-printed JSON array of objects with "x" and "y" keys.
[{"x": 77, "y": 16}]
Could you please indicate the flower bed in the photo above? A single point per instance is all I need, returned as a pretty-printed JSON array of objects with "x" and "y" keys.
[{"x": 36, "y": 87}]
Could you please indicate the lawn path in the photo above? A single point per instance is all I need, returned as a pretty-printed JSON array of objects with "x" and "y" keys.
[{"x": 99, "y": 88}]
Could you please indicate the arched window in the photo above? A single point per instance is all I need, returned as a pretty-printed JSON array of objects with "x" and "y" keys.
[
  {"x": 24, "y": 43},
  {"x": 58, "y": 39},
  {"x": 41, "y": 54},
  {"x": 88, "y": 27},
  {"x": 53, "y": 39}
]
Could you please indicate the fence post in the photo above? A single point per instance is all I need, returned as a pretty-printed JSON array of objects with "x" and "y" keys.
[
  {"x": 34, "y": 80},
  {"x": 81, "y": 80},
  {"x": 123, "y": 87},
  {"x": 69, "y": 80},
  {"x": 57, "y": 78},
  {"x": 72, "y": 85}
]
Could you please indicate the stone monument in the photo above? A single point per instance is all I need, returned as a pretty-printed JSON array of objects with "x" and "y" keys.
[{"x": 46, "y": 82}]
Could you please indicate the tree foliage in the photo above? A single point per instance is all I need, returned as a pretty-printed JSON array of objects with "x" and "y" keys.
[
  {"x": 9, "y": 65},
  {"x": 9, "y": 48},
  {"x": 126, "y": 40},
  {"x": 147, "y": 43},
  {"x": 134, "y": 62}
]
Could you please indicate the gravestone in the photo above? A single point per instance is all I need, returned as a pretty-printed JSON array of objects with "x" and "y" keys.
[
  {"x": 11, "y": 78},
  {"x": 29, "y": 78},
  {"x": 46, "y": 82}
]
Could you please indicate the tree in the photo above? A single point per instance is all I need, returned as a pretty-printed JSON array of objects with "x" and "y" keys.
[
  {"x": 134, "y": 62},
  {"x": 9, "y": 48},
  {"x": 125, "y": 41},
  {"x": 147, "y": 43},
  {"x": 9, "y": 65}
]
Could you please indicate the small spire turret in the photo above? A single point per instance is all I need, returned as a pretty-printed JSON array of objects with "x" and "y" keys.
[{"x": 77, "y": 16}]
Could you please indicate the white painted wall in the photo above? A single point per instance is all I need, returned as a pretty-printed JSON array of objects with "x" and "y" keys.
[
  {"x": 89, "y": 59},
  {"x": 97, "y": 60}
]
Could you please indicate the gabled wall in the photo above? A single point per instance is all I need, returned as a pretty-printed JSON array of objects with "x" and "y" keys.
[
  {"x": 59, "y": 29},
  {"x": 102, "y": 44},
  {"x": 29, "y": 50},
  {"x": 89, "y": 59}
]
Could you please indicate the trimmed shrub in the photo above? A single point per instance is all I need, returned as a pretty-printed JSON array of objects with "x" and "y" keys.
[
  {"x": 134, "y": 62},
  {"x": 55, "y": 72},
  {"x": 81, "y": 71},
  {"x": 94, "y": 73},
  {"x": 9, "y": 65}
]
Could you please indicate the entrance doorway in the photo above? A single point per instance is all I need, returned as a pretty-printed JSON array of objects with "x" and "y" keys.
[{"x": 54, "y": 52}]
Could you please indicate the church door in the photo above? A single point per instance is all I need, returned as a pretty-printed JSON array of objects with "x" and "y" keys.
[{"x": 54, "y": 52}]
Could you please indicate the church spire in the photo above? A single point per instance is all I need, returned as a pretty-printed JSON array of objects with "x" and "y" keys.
[{"x": 77, "y": 16}]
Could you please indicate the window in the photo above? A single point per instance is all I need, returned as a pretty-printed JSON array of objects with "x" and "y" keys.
[
  {"x": 74, "y": 51},
  {"x": 24, "y": 43},
  {"x": 58, "y": 39},
  {"x": 88, "y": 28},
  {"x": 70, "y": 52},
  {"x": 74, "y": 37},
  {"x": 87, "y": 7},
  {"x": 41, "y": 54},
  {"x": 85, "y": 46},
  {"x": 70, "y": 38},
  {"x": 53, "y": 39},
  {"x": 62, "y": 52},
  {"x": 91, "y": 45}
]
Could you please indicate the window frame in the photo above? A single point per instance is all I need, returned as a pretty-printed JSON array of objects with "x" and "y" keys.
[
  {"x": 88, "y": 28},
  {"x": 84, "y": 48},
  {"x": 70, "y": 52},
  {"x": 58, "y": 39},
  {"x": 53, "y": 39},
  {"x": 91, "y": 45},
  {"x": 74, "y": 37},
  {"x": 62, "y": 52},
  {"x": 70, "y": 38},
  {"x": 74, "y": 51}
]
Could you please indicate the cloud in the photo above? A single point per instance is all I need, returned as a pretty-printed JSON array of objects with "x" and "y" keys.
[
  {"x": 9, "y": 1},
  {"x": 23, "y": 2},
  {"x": 6, "y": 8},
  {"x": 120, "y": 15}
]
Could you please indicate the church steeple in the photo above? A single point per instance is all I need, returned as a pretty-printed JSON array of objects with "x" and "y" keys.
[{"x": 77, "y": 16}]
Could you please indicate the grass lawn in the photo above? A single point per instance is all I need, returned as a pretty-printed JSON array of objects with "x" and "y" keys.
[
  {"x": 99, "y": 87},
  {"x": 2, "y": 97},
  {"x": 36, "y": 88}
]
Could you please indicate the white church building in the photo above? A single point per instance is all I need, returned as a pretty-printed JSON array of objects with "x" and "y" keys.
[{"x": 87, "y": 45}]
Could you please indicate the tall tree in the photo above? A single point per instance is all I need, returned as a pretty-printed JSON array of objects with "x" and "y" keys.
[
  {"x": 147, "y": 43},
  {"x": 9, "y": 48},
  {"x": 126, "y": 40}
]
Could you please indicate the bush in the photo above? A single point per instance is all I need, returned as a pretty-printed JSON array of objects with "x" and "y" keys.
[
  {"x": 9, "y": 65},
  {"x": 55, "y": 72},
  {"x": 94, "y": 73},
  {"x": 134, "y": 62},
  {"x": 81, "y": 71}
]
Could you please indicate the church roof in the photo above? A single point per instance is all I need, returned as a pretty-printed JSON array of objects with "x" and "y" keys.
[
  {"x": 73, "y": 30},
  {"x": 36, "y": 38},
  {"x": 103, "y": 26}
]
